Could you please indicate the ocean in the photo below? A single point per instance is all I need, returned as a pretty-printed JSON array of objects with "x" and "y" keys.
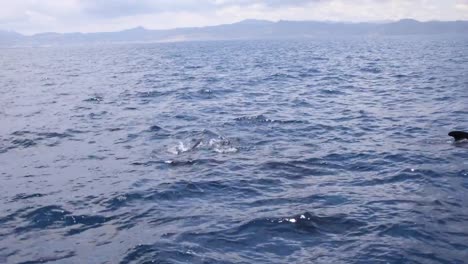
[{"x": 327, "y": 150}]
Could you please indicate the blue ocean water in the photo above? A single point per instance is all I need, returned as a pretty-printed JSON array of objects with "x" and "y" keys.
[{"x": 282, "y": 151}]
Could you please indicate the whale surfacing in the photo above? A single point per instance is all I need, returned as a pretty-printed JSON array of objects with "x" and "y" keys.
[{"x": 458, "y": 135}]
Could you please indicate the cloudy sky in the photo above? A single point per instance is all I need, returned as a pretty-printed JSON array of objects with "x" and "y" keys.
[{"x": 33, "y": 16}]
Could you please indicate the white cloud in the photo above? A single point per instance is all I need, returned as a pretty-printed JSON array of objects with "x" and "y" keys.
[{"x": 31, "y": 16}]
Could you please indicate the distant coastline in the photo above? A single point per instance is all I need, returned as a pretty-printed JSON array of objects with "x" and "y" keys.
[{"x": 247, "y": 29}]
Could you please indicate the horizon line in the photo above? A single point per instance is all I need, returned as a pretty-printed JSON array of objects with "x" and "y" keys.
[{"x": 240, "y": 21}]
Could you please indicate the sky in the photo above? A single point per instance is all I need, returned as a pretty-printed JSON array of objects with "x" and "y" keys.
[{"x": 35, "y": 16}]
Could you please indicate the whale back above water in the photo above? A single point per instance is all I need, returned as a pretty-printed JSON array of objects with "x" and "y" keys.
[{"x": 458, "y": 135}]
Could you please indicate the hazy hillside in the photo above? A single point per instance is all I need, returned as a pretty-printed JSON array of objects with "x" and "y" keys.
[{"x": 247, "y": 29}]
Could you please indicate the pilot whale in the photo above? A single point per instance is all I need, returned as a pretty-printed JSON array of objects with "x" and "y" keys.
[{"x": 458, "y": 135}]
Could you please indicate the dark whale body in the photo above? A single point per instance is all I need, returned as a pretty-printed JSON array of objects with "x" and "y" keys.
[{"x": 458, "y": 135}]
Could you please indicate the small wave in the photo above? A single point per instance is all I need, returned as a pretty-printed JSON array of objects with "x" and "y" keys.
[
  {"x": 412, "y": 231},
  {"x": 309, "y": 73},
  {"x": 52, "y": 217},
  {"x": 155, "y": 128},
  {"x": 152, "y": 94},
  {"x": 181, "y": 190},
  {"x": 412, "y": 175},
  {"x": 59, "y": 256},
  {"x": 27, "y": 139},
  {"x": 293, "y": 170},
  {"x": 21, "y": 133},
  {"x": 94, "y": 99},
  {"x": 24, "y": 143},
  {"x": 400, "y": 76},
  {"x": 97, "y": 115},
  {"x": 320, "y": 200},
  {"x": 167, "y": 253},
  {"x": 24, "y": 196},
  {"x": 370, "y": 69},
  {"x": 48, "y": 135},
  {"x": 193, "y": 67},
  {"x": 279, "y": 77},
  {"x": 320, "y": 58},
  {"x": 261, "y": 119},
  {"x": 129, "y": 108},
  {"x": 304, "y": 227},
  {"x": 332, "y": 92},
  {"x": 204, "y": 94}
]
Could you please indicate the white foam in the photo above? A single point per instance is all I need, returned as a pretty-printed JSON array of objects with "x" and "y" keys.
[{"x": 178, "y": 149}]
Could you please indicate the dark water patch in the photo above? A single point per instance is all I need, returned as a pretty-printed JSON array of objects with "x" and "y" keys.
[
  {"x": 334, "y": 79},
  {"x": 24, "y": 196},
  {"x": 153, "y": 94},
  {"x": 21, "y": 133},
  {"x": 443, "y": 98},
  {"x": 371, "y": 69},
  {"x": 131, "y": 108},
  {"x": 193, "y": 67},
  {"x": 180, "y": 191},
  {"x": 94, "y": 99},
  {"x": 49, "y": 84},
  {"x": 28, "y": 139},
  {"x": 205, "y": 94},
  {"x": 97, "y": 115},
  {"x": 293, "y": 171},
  {"x": 9, "y": 217},
  {"x": 461, "y": 112},
  {"x": 332, "y": 92},
  {"x": 261, "y": 119},
  {"x": 400, "y": 76},
  {"x": 53, "y": 217},
  {"x": 95, "y": 157},
  {"x": 158, "y": 133},
  {"x": 317, "y": 58},
  {"x": 48, "y": 135},
  {"x": 306, "y": 228},
  {"x": 23, "y": 143},
  {"x": 312, "y": 72},
  {"x": 155, "y": 128},
  {"x": 318, "y": 200},
  {"x": 463, "y": 173},
  {"x": 148, "y": 163},
  {"x": 75, "y": 131},
  {"x": 402, "y": 201},
  {"x": 408, "y": 175},
  {"x": 339, "y": 157},
  {"x": 186, "y": 117},
  {"x": 130, "y": 138},
  {"x": 282, "y": 77},
  {"x": 406, "y": 230},
  {"x": 81, "y": 109},
  {"x": 167, "y": 253},
  {"x": 60, "y": 256},
  {"x": 324, "y": 163}
]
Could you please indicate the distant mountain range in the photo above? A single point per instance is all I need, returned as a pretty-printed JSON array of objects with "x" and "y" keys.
[{"x": 247, "y": 29}]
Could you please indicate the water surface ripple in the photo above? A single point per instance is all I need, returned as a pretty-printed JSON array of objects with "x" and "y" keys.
[{"x": 297, "y": 151}]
